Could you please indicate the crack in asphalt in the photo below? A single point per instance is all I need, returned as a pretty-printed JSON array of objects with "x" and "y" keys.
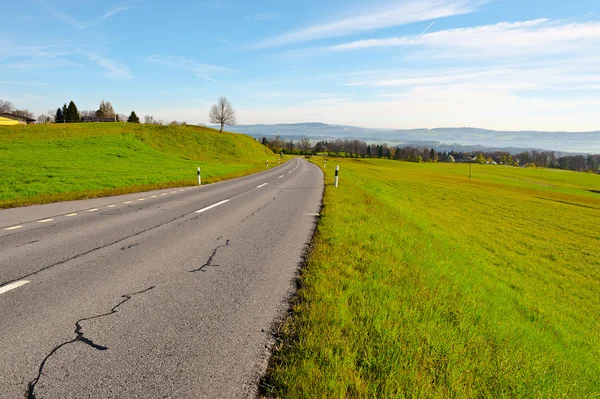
[
  {"x": 211, "y": 257},
  {"x": 262, "y": 207},
  {"x": 129, "y": 246},
  {"x": 80, "y": 337},
  {"x": 91, "y": 250},
  {"x": 27, "y": 243}
]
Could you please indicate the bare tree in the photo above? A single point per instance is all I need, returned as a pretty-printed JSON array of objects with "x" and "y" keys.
[
  {"x": 149, "y": 119},
  {"x": 43, "y": 118},
  {"x": 222, "y": 112},
  {"x": 6, "y": 106},
  {"x": 105, "y": 110}
]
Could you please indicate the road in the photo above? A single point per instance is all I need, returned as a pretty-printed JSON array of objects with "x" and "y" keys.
[{"x": 167, "y": 294}]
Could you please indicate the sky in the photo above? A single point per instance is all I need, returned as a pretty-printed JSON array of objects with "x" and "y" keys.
[{"x": 495, "y": 64}]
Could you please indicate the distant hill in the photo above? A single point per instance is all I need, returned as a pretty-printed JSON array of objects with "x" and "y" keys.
[{"x": 444, "y": 139}]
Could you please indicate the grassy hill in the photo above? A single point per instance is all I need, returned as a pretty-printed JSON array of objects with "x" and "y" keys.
[
  {"x": 47, "y": 163},
  {"x": 425, "y": 284}
]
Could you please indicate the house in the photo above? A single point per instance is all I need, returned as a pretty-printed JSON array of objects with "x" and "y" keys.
[{"x": 7, "y": 119}]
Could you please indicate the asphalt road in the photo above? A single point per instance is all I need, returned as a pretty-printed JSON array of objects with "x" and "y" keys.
[{"x": 168, "y": 294}]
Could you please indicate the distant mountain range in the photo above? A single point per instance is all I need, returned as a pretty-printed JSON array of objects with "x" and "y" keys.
[{"x": 442, "y": 139}]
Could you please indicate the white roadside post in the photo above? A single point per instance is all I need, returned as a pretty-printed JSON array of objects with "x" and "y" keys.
[
  {"x": 267, "y": 163},
  {"x": 325, "y": 164},
  {"x": 337, "y": 171},
  {"x": 199, "y": 178}
]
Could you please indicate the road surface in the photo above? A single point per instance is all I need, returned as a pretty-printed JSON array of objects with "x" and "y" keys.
[{"x": 167, "y": 294}]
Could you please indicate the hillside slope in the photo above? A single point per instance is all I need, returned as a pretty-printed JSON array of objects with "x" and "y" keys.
[{"x": 48, "y": 163}]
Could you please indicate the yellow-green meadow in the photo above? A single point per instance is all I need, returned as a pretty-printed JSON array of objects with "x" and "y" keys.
[{"x": 423, "y": 283}]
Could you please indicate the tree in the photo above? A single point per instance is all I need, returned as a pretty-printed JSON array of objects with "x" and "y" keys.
[
  {"x": 6, "y": 106},
  {"x": 222, "y": 112},
  {"x": 64, "y": 113},
  {"x": 43, "y": 118},
  {"x": 72, "y": 114},
  {"x": 133, "y": 118},
  {"x": 480, "y": 159},
  {"x": 59, "y": 117},
  {"x": 149, "y": 119},
  {"x": 305, "y": 145},
  {"x": 25, "y": 113},
  {"x": 105, "y": 110}
]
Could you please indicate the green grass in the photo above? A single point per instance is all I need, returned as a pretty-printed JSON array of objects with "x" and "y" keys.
[
  {"x": 48, "y": 163},
  {"x": 423, "y": 284}
]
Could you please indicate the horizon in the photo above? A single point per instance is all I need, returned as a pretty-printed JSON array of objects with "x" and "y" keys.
[{"x": 495, "y": 65}]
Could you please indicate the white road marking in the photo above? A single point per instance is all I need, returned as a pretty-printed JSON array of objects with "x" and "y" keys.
[
  {"x": 181, "y": 191},
  {"x": 164, "y": 193},
  {"x": 262, "y": 185},
  {"x": 127, "y": 202},
  {"x": 280, "y": 177},
  {"x": 173, "y": 192},
  {"x": 153, "y": 196},
  {"x": 12, "y": 286},
  {"x": 45, "y": 220},
  {"x": 13, "y": 228},
  {"x": 212, "y": 206},
  {"x": 141, "y": 199},
  {"x": 71, "y": 214},
  {"x": 312, "y": 214},
  {"x": 93, "y": 210},
  {"x": 290, "y": 171},
  {"x": 110, "y": 206}
]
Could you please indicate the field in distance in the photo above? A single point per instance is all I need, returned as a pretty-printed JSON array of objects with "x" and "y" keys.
[
  {"x": 57, "y": 162},
  {"x": 422, "y": 283}
]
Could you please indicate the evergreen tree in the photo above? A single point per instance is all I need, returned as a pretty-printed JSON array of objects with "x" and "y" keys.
[
  {"x": 369, "y": 151},
  {"x": 133, "y": 118},
  {"x": 64, "y": 113},
  {"x": 72, "y": 114},
  {"x": 59, "y": 116}
]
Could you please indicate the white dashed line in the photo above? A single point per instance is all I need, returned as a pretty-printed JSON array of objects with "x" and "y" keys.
[
  {"x": 164, "y": 193},
  {"x": 127, "y": 202},
  {"x": 71, "y": 214},
  {"x": 110, "y": 206},
  {"x": 212, "y": 206},
  {"x": 280, "y": 177},
  {"x": 12, "y": 286},
  {"x": 262, "y": 185},
  {"x": 93, "y": 210},
  {"x": 173, "y": 192},
  {"x": 45, "y": 220},
  {"x": 153, "y": 196},
  {"x": 181, "y": 191},
  {"x": 290, "y": 171},
  {"x": 12, "y": 227},
  {"x": 141, "y": 199},
  {"x": 312, "y": 214}
]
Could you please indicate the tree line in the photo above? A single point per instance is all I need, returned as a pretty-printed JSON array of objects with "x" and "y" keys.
[{"x": 355, "y": 148}]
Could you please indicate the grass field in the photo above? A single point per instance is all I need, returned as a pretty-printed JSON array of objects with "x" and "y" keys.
[
  {"x": 48, "y": 163},
  {"x": 423, "y": 284}
]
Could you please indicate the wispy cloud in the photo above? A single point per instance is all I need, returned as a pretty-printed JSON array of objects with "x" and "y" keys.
[
  {"x": 122, "y": 7},
  {"x": 113, "y": 69},
  {"x": 263, "y": 16},
  {"x": 406, "y": 12},
  {"x": 203, "y": 71},
  {"x": 502, "y": 40}
]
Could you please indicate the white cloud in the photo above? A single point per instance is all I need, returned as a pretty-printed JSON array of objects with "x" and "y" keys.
[
  {"x": 405, "y": 12},
  {"x": 203, "y": 71},
  {"x": 121, "y": 7},
  {"x": 528, "y": 38},
  {"x": 114, "y": 70}
]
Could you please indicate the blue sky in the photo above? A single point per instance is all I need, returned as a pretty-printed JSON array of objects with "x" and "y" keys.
[{"x": 505, "y": 64}]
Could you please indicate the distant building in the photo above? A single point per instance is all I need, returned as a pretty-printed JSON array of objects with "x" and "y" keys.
[
  {"x": 96, "y": 119},
  {"x": 7, "y": 119}
]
